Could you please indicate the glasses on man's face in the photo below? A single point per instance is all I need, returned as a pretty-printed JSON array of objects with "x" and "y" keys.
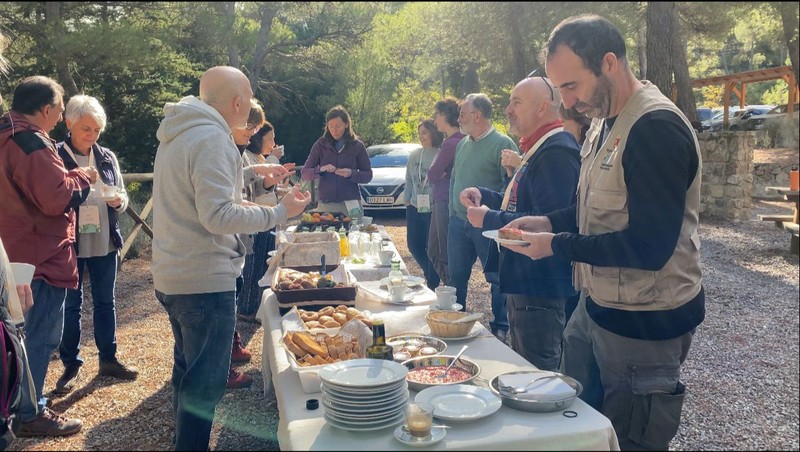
[
  {"x": 463, "y": 113},
  {"x": 535, "y": 73}
]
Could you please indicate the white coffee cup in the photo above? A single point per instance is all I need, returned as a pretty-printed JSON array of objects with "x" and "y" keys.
[
  {"x": 445, "y": 297},
  {"x": 397, "y": 293},
  {"x": 386, "y": 256},
  {"x": 23, "y": 273},
  {"x": 107, "y": 191}
]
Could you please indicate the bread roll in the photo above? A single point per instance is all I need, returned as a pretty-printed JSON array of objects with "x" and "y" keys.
[
  {"x": 331, "y": 324},
  {"x": 341, "y": 308},
  {"x": 311, "y": 324},
  {"x": 327, "y": 310},
  {"x": 352, "y": 312},
  {"x": 340, "y": 318},
  {"x": 324, "y": 318}
]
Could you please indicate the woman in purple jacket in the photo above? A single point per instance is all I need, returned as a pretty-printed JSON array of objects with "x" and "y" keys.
[
  {"x": 445, "y": 118},
  {"x": 340, "y": 161}
]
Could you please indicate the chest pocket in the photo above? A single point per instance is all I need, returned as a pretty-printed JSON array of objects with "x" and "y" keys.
[{"x": 608, "y": 211}]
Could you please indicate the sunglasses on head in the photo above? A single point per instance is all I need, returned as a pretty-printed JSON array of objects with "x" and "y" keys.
[{"x": 535, "y": 73}]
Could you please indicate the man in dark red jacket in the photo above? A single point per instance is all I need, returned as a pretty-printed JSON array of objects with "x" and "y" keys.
[{"x": 37, "y": 200}]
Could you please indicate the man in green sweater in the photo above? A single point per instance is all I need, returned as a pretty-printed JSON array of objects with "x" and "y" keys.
[{"x": 477, "y": 164}]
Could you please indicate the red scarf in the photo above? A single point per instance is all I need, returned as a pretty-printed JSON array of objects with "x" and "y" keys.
[{"x": 526, "y": 143}]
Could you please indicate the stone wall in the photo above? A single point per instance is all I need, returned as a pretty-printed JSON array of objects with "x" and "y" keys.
[
  {"x": 727, "y": 187},
  {"x": 770, "y": 175}
]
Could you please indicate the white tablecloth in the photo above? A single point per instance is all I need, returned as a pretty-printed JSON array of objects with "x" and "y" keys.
[{"x": 507, "y": 429}]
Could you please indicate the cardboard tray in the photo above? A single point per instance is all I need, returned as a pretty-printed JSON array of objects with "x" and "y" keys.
[
  {"x": 309, "y": 299},
  {"x": 323, "y": 225}
]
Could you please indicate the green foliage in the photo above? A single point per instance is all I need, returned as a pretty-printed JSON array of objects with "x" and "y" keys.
[{"x": 387, "y": 62}]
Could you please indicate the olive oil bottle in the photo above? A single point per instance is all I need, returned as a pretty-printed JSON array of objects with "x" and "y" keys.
[{"x": 379, "y": 348}]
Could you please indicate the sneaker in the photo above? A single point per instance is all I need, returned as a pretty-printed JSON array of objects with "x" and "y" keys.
[
  {"x": 501, "y": 335},
  {"x": 117, "y": 370},
  {"x": 66, "y": 383},
  {"x": 239, "y": 354},
  {"x": 49, "y": 423},
  {"x": 238, "y": 380}
]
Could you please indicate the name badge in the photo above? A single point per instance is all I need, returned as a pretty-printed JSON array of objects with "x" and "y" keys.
[
  {"x": 424, "y": 203},
  {"x": 88, "y": 219}
]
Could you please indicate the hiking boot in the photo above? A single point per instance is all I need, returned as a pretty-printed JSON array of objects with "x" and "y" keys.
[
  {"x": 239, "y": 354},
  {"x": 68, "y": 380},
  {"x": 117, "y": 370},
  {"x": 49, "y": 423},
  {"x": 237, "y": 380}
]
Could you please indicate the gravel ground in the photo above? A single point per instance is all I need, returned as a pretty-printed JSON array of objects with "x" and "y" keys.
[{"x": 741, "y": 372}]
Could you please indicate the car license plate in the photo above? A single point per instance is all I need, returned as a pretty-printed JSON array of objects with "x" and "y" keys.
[{"x": 380, "y": 199}]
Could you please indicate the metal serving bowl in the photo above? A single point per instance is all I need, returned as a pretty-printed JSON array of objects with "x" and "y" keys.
[
  {"x": 536, "y": 405},
  {"x": 464, "y": 364},
  {"x": 399, "y": 343}
]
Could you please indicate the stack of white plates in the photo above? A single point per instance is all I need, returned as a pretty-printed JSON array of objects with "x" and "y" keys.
[{"x": 364, "y": 394}]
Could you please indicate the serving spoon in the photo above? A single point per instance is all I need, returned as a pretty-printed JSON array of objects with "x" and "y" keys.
[
  {"x": 444, "y": 375},
  {"x": 521, "y": 389}
]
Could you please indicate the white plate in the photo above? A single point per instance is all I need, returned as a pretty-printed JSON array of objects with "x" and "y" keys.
[
  {"x": 475, "y": 331},
  {"x": 365, "y": 418},
  {"x": 493, "y": 234},
  {"x": 344, "y": 394},
  {"x": 402, "y": 435},
  {"x": 363, "y": 373},
  {"x": 364, "y": 427},
  {"x": 408, "y": 298},
  {"x": 460, "y": 402},
  {"x": 410, "y": 281},
  {"x": 358, "y": 407}
]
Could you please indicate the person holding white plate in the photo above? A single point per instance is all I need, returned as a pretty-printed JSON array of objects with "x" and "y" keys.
[
  {"x": 543, "y": 179},
  {"x": 98, "y": 241}
]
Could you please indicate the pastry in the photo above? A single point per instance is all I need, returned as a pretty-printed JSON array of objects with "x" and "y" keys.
[{"x": 510, "y": 233}]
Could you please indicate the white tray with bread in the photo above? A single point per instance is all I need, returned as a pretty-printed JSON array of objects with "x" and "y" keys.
[{"x": 309, "y": 350}]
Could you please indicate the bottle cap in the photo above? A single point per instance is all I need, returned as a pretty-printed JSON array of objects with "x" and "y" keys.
[{"x": 312, "y": 404}]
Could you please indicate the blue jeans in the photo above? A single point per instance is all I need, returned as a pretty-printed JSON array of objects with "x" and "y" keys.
[
  {"x": 248, "y": 297},
  {"x": 202, "y": 325},
  {"x": 103, "y": 278},
  {"x": 44, "y": 323},
  {"x": 417, "y": 228},
  {"x": 464, "y": 244}
]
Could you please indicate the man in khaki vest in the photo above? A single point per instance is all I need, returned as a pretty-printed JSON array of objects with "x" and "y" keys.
[{"x": 632, "y": 236}]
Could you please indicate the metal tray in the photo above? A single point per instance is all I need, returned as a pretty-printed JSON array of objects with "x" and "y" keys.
[{"x": 536, "y": 405}]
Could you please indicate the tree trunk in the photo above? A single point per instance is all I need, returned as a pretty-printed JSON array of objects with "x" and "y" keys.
[
  {"x": 659, "y": 56},
  {"x": 680, "y": 68},
  {"x": 229, "y": 9},
  {"x": 789, "y": 13},
  {"x": 267, "y": 11},
  {"x": 514, "y": 14},
  {"x": 55, "y": 36},
  {"x": 470, "y": 83},
  {"x": 641, "y": 50}
]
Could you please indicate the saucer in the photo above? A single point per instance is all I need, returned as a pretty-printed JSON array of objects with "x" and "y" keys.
[{"x": 402, "y": 435}]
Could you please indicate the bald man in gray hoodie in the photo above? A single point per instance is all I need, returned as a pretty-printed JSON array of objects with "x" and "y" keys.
[{"x": 197, "y": 255}]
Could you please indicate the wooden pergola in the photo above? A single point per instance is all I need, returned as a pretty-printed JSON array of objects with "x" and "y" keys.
[{"x": 737, "y": 84}]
